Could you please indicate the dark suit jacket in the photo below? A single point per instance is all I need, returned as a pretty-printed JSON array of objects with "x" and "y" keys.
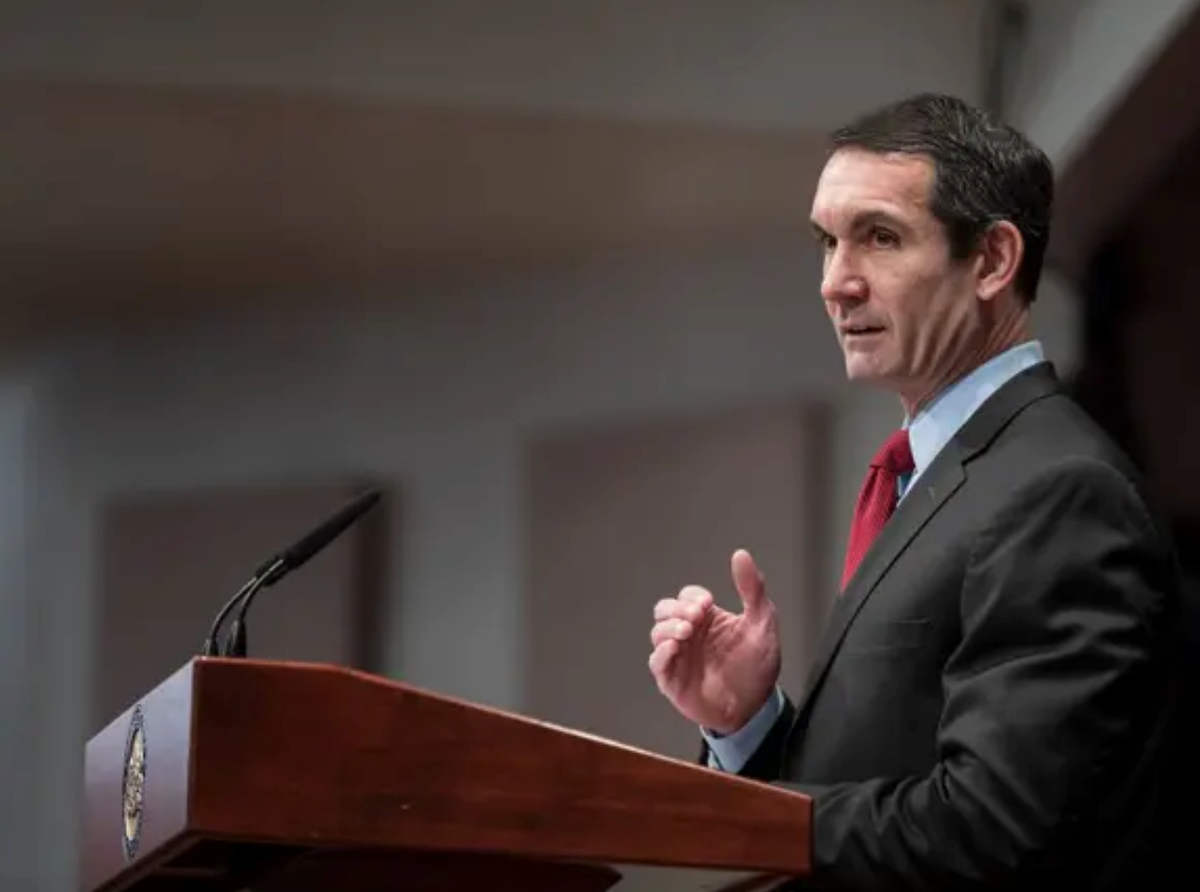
[{"x": 992, "y": 703}]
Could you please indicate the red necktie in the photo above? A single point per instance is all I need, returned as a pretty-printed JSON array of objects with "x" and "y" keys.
[{"x": 878, "y": 497}]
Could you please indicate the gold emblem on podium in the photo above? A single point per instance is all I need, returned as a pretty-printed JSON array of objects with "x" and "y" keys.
[{"x": 133, "y": 785}]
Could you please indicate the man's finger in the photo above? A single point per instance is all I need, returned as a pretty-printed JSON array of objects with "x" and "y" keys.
[
  {"x": 667, "y": 608},
  {"x": 694, "y": 594},
  {"x": 661, "y": 660},
  {"x": 673, "y": 608},
  {"x": 668, "y": 629},
  {"x": 749, "y": 582}
]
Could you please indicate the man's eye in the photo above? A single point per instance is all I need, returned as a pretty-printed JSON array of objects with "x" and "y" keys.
[
  {"x": 827, "y": 242},
  {"x": 884, "y": 239}
]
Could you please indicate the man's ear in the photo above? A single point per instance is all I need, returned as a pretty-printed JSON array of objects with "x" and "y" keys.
[{"x": 1000, "y": 251}]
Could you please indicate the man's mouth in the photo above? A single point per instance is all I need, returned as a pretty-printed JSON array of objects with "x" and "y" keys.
[{"x": 860, "y": 330}]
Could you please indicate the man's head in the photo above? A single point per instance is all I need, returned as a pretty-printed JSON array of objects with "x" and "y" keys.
[{"x": 933, "y": 220}]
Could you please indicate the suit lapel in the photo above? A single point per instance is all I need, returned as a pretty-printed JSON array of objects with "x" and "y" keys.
[
  {"x": 937, "y": 484},
  {"x": 941, "y": 480}
]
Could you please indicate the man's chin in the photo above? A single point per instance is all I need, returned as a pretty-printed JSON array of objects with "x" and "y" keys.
[{"x": 861, "y": 369}]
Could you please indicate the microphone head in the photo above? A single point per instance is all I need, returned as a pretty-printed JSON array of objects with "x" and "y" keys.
[
  {"x": 316, "y": 540},
  {"x": 273, "y": 570}
]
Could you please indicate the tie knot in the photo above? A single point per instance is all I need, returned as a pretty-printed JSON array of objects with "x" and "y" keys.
[{"x": 895, "y": 455}]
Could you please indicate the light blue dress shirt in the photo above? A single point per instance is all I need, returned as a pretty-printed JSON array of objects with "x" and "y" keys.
[{"x": 928, "y": 433}]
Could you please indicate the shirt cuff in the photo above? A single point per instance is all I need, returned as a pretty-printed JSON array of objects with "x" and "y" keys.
[{"x": 731, "y": 752}]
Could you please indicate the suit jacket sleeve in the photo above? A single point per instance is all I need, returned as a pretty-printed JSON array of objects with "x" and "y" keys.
[{"x": 1048, "y": 697}]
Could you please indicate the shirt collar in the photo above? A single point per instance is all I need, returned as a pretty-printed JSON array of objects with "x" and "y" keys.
[{"x": 938, "y": 422}]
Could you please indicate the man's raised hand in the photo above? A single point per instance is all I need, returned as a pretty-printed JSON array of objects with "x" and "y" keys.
[{"x": 717, "y": 668}]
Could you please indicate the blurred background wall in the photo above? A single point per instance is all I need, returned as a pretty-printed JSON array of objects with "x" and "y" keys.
[{"x": 538, "y": 270}]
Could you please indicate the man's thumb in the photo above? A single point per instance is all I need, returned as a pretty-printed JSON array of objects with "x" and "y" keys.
[{"x": 749, "y": 582}]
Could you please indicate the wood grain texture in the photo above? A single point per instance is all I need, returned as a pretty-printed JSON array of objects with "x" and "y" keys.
[{"x": 310, "y": 771}]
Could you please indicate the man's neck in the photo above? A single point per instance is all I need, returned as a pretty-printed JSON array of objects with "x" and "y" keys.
[{"x": 988, "y": 350}]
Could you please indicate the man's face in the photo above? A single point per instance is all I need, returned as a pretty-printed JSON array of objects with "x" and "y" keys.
[{"x": 904, "y": 313}]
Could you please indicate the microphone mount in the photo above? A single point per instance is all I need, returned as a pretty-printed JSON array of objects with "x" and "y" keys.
[{"x": 273, "y": 570}]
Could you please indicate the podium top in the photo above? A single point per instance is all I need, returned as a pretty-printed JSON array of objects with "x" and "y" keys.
[{"x": 230, "y": 770}]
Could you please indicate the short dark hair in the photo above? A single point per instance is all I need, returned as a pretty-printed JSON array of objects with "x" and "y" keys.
[{"x": 984, "y": 171}]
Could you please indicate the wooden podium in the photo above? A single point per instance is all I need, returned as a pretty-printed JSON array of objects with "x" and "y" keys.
[{"x": 289, "y": 777}]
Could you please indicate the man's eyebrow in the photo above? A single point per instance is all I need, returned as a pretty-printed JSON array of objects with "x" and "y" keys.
[
  {"x": 875, "y": 218},
  {"x": 860, "y": 221}
]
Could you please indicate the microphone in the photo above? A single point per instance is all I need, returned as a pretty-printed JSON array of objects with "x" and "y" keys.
[{"x": 275, "y": 568}]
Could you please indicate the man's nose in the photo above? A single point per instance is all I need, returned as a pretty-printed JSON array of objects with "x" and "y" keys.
[{"x": 842, "y": 282}]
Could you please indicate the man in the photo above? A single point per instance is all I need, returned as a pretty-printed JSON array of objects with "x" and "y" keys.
[{"x": 991, "y": 704}]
